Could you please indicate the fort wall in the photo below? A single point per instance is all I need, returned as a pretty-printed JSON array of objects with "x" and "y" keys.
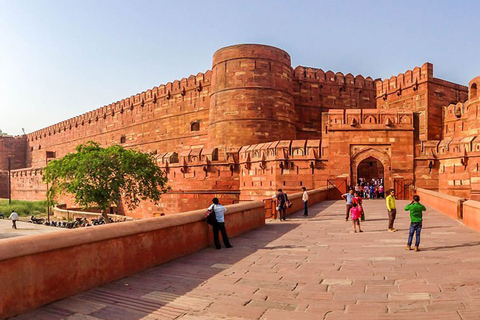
[
  {"x": 251, "y": 96},
  {"x": 455, "y": 159},
  {"x": 417, "y": 90},
  {"x": 13, "y": 148},
  {"x": 171, "y": 116},
  {"x": 254, "y": 124},
  {"x": 316, "y": 91},
  {"x": 4, "y": 184}
]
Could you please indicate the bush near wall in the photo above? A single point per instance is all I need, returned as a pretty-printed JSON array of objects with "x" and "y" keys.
[{"x": 23, "y": 208}]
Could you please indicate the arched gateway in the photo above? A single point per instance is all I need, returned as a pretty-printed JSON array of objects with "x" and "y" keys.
[
  {"x": 370, "y": 168},
  {"x": 371, "y": 164}
]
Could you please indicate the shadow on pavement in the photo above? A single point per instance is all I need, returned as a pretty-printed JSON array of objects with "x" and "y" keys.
[
  {"x": 160, "y": 290},
  {"x": 463, "y": 245}
]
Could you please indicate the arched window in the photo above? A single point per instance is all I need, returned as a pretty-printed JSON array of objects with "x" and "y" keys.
[
  {"x": 123, "y": 139},
  {"x": 195, "y": 126},
  {"x": 473, "y": 91}
]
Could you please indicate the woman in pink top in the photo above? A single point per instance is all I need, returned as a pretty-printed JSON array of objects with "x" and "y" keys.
[{"x": 356, "y": 213}]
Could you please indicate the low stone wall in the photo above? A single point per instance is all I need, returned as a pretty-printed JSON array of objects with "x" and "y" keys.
[
  {"x": 39, "y": 269},
  {"x": 315, "y": 196},
  {"x": 471, "y": 214},
  {"x": 73, "y": 214},
  {"x": 448, "y": 205}
]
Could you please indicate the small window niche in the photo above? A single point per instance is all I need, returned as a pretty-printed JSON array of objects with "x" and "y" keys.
[{"x": 195, "y": 126}]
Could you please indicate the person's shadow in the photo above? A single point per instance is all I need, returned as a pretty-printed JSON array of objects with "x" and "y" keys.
[{"x": 462, "y": 245}]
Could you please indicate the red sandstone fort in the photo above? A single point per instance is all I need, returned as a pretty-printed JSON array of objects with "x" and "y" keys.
[{"x": 253, "y": 124}]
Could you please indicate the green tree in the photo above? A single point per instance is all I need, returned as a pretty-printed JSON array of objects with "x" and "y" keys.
[{"x": 99, "y": 176}]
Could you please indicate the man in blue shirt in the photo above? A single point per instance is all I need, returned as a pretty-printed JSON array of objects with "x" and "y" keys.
[
  {"x": 348, "y": 198},
  {"x": 220, "y": 225}
]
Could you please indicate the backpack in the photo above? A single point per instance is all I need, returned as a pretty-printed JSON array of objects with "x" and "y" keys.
[{"x": 211, "y": 217}]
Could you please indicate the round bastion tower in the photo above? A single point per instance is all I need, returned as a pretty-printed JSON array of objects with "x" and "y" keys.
[{"x": 251, "y": 100}]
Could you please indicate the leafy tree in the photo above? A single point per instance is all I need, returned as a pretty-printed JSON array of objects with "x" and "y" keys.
[
  {"x": 3, "y": 133},
  {"x": 99, "y": 176}
]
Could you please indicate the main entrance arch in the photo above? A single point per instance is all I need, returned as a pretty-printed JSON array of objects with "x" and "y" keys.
[
  {"x": 371, "y": 163},
  {"x": 370, "y": 168}
]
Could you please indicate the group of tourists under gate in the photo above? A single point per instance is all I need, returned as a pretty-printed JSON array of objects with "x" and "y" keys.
[{"x": 368, "y": 179}]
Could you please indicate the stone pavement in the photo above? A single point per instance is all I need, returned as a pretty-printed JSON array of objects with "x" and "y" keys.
[
  {"x": 23, "y": 228},
  {"x": 304, "y": 268}
]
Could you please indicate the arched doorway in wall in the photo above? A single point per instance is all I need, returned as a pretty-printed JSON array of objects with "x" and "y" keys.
[
  {"x": 371, "y": 163},
  {"x": 370, "y": 168}
]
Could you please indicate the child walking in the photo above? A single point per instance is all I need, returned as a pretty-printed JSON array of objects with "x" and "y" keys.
[
  {"x": 416, "y": 218},
  {"x": 358, "y": 200},
  {"x": 356, "y": 213}
]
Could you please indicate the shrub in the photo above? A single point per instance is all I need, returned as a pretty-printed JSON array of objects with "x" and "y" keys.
[{"x": 23, "y": 208}]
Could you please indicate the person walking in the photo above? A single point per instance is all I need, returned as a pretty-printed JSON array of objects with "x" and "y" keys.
[
  {"x": 416, "y": 219},
  {"x": 392, "y": 210},
  {"x": 14, "y": 217},
  {"x": 348, "y": 198},
  {"x": 305, "y": 201},
  {"x": 281, "y": 204},
  {"x": 220, "y": 225},
  {"x": 356, "y": 212},
  {"x": 372, "y": 191}
]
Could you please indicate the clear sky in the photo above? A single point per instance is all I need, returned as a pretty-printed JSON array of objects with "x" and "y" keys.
[{"x": 59, "y": 59}]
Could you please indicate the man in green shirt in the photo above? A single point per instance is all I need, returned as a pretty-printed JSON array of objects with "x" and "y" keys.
[{"x": 416, "y": 218}]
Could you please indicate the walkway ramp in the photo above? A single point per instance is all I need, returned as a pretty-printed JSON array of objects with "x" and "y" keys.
[{"x": 305, "y": 268}]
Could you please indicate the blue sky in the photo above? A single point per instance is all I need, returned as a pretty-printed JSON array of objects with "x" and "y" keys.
[{"x": 63, "y": 58}]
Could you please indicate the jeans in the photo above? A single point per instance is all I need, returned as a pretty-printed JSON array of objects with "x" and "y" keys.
[
  {"x": 415, "y": 227},
  {"x": 305, "y": 208},
  {"x": 392, "y": 214},
  {"x": 220, "y": 226}
]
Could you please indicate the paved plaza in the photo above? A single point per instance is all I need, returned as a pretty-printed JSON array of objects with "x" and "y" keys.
[
  {"x": 304, "y": 268},
  {"x": 23, "y": 228}
]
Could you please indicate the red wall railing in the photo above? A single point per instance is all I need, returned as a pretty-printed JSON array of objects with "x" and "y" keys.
[
  {"x": 35, "y": 269},
  {"x": 448, "y": 205}
]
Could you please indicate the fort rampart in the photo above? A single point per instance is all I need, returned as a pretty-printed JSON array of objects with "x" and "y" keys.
[{"x": 253, "y": 124}]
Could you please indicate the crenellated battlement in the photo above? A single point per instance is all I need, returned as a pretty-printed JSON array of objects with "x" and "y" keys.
[
  {"x": 27, "y": 172},
  {"x": 312, "y": 74},
  {"x": 369, "y": 119},
  {"x": 408, "y": 79},
  {"x": 269, "y": 151},
  {"x": 454, "y": 111},
  {"x": 164, "y": 92},
  {"x": 281, "y": 151}
]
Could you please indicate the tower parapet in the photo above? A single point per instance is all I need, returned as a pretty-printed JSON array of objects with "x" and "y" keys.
[{"x": 419, "y": 91}]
